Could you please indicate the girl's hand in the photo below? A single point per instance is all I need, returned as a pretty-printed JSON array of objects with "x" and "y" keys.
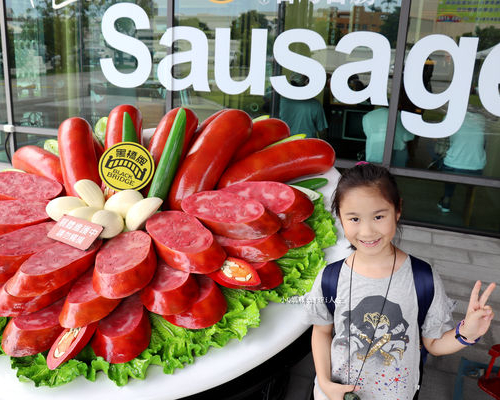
[
  {"x": 336, "y": 391},
  {"x": 479, "y": 315}
]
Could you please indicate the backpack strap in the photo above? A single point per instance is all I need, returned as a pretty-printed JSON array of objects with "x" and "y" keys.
[
  {"x": 424, "y": 286},
  {"x": 329, "y": 282}
]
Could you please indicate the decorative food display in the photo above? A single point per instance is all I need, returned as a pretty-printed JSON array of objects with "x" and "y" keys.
[{"x": 114, "y": 256}]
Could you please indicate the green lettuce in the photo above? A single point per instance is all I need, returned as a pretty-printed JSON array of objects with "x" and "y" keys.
[{"x": 172, "y": 347}]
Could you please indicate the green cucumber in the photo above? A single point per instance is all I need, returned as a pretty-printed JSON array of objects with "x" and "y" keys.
[
  {"x": 288, "y": 139},
  {"x": 128, "y": 129},
  {"x": 308, "y": 192},
  {"x": 100, "y": 130},
  {"x": 313, "y": 183},
  {"x": 170, "y": 157},
  {"x": 260, "y": 118},
  {"x": 52, "y": 146}
]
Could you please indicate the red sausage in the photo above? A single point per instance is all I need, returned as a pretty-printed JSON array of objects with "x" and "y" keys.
[
  {"x": 124, "y": 265},
  {"x": 264, "y": 133},
  {"x": 98, "y": 148},
  {"x": 20, "y": 185},
  {"x": 282, "y": 162},
  {"x": 38, "y": 161},
  {"x": 230, "y": 215},
  {"x": 208, "y": 309},
  {"x": 184, "y": 243},
  {"x": 32, "y": 333},
  {"x": 83, "y": 305},
  {"x": 297, "y": 235},
  {"x": 162, "y": 131},
  {"x": 268, "y": 248},
  {"x": 197, "y": 133},
  {"x": 270, "y": 275},
  {"x": 170, "y": 292},
  {"x": 17, "y": 246},
  {"x": 123, "y": 334},
  {"x": 16, "y": 214},
  {"x": 289, "y": 204},
  {"x": 51, "y": 268},
  {"x": 12, "y": 306},
  {"x": 114, "y": 126},
  {"x": 210, "y": 154},
  {"x": 76, "y": 150}
]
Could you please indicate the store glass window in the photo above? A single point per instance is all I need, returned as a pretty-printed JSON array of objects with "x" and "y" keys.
[
  {"x": 3, "y": 114},
  {"x": 54, "y": 59},
  {"x": 471, "y": 210}
]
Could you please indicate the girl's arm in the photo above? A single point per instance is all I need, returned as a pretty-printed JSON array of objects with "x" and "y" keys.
[
  {"x": 321, "y": 342},
  {"x": 476, "y": 323}
]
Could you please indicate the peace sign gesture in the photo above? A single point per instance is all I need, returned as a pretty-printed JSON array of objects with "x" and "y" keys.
[{"x": 479, "y": 315}]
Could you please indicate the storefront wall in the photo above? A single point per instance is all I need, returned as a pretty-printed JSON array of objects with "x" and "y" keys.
[{"x": 52, "y": 52}]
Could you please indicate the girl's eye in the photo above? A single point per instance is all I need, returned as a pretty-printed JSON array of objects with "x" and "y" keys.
[
  {"x": 379, "y": 217},
  {"x": 354, "y": 219}
]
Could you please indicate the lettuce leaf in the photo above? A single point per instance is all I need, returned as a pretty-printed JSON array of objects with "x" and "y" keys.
[{"x": 172, "y": 347}]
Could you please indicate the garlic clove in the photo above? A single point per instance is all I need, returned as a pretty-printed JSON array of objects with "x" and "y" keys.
[
  {"x": 59, "y": 206},
  {"x": 85, "y": 213},
  {"x": 90, "y": 193},
  {"x": 121, "y": 202},
  {"x": 110, "y": 221},
  {"x": 139, "y": 213}
]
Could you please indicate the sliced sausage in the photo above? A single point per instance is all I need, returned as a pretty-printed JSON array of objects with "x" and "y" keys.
[
  {"x": 123, "y": 334},
  {"x": 232, "y": 216},
  {"x": 264, "y": 133},
  {"x": 184, "y": 243},
  {"x": 208, "y": 309},
  {"x": 289, "y": 204},
  {"x": 12, "y": 306},
  {"x": 38, "y": 161},
  {"x": 124, "y": 265},
  {"x": 270, "y": 275},
  {"x": 268, "y": 248},
  {"x": 33, "y": 333},
  {"x": 297, "y": 235},
  {"x": 21, "y": 185},
  {"x": 209, "y": 156},
  {"x": 282, "y": 162},
  {"x": 51, "y": 268},
  {"x": 83, "y": 305},
  {"x": 171, "y": 291},
  {"x": 16, "y": 214},
  {"x": 17, "y": 246}
]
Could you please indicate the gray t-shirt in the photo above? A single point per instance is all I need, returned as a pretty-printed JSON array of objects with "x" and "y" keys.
[{"x": 391, "y": 369}]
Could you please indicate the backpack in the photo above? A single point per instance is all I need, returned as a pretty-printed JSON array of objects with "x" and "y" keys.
[{"x": 424, "y": 286}]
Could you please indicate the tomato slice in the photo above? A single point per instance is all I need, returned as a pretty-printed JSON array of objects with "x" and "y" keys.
[
  {"x": 69, "y": 343},
  {"x": 236, "y": 272}
]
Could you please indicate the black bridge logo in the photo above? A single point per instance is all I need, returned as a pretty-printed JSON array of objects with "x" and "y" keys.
[{"x": 126, "y": 163}]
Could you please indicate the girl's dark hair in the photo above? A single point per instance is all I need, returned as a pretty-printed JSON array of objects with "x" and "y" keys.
[{"x": 367, "y": 175}]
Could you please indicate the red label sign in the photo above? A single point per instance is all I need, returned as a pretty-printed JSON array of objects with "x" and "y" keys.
[{"x": 76, "y": 232}]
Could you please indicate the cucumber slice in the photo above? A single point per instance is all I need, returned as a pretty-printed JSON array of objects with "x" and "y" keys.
[
  {"x": 308, "y": 192},
  {"x": 52, "y": 146},
  {"x": 288, "y": 139},
  {"x": 100, "y": 130},
  {"x": 313, "y": 183}
]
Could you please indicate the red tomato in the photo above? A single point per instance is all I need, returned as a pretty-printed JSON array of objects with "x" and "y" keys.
[
  {"x": 236, "y": 272},
  {"x": 69, "y": 343}
]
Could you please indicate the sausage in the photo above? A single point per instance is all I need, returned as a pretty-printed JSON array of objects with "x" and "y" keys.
[
  {"x": 210, "y": 154},
  {"x": 76, "y": 150},
  {"x": 197, "y": 133},
  {"x": 184, "y": 243},
  {"x": 270, "y": 275},
  {"x": 162, "y": 131},
  {"x": 268, "y": 248},
  {"x": 282, "y": 162},
  {"x": 123, "y": 334},
  {"x": 170, "y": 292},
  {"x": 21, "y": 185},
  {"x": 236, "y": 273},
  {"x": 208, "y": 309},
  {"x": 38, "y": 161},
  {"x": 33, "y": 333},
  {"x": 12, "y": 306},
  {"x": 289, "y": 204},
  {"x": 230, "y": 215},
  {"x": 124, "y": 265},
  {"x": 264, "y": 133},
  {"x": 83, "y": 305},
  {"x": 297, "y": 235},
  {"x": 51, "y": 268},
  {"x": 17, "y": 214},
  {"x": 17, "y": 246},
  {"x": 114, "y": 126}
]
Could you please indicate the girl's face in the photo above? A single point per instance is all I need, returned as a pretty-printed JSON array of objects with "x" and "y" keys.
[{"x": 368, "y": 219}]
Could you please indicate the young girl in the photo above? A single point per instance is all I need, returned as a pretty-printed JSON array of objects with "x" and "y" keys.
[{"x": 375, "y": 349}]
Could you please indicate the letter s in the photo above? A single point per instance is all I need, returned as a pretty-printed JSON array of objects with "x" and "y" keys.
[{"x": 126, "y": 44}]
